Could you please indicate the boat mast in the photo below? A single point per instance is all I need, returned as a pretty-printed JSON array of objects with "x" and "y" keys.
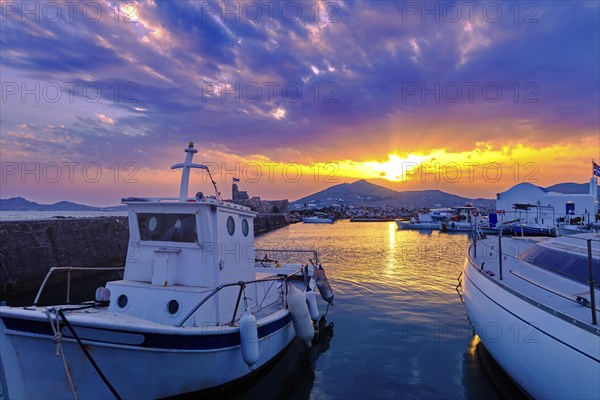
[{"x": 185, "y": 173}]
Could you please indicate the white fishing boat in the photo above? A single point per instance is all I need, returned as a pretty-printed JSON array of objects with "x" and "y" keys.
[
  {"x": 194, "y": 311},
  {"x": 424, "y": 221},
  {"x": 532, "y": 302},
  {"x": 533, "y": 229},
  {"x": 465, "y": 219},
  {"x": 571, "y": 229},
  {"x": 318, "y": 218}
]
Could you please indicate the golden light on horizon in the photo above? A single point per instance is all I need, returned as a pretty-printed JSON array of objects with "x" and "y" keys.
[
  {"x": 396, "y": 168},
  {"x": 508, "y": 165},
  {"x": 516, "y": 161}
]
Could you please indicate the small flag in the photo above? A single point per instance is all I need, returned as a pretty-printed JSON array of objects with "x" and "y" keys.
[
  {"x": 236, "y": 179},
  {"x": 596, "y": 169}
]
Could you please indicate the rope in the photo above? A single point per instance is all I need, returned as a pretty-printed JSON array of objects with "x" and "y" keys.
[
  {"x": 59, "y": 351},
  {"x": 218, "y": 194},
  {"x": 89, "y": 356},
  {"x": 245, "y": 299}
]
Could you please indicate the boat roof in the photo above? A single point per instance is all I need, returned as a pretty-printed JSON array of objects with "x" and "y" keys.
[
  {"x": 171, "y": 201},
  {"x": 184, "y": 200}
]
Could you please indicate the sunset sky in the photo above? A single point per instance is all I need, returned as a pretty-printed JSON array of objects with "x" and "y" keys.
[{"x": 100, "y": 98}]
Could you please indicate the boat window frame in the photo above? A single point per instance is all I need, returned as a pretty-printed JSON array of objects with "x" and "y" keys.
[
  {"x": 551, "y": 260},
  {"x": 196, "y": 238},
  {"x": 232, "y": 230}
]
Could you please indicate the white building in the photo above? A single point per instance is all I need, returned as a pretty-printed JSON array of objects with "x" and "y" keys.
[{"x": 535, "y": 205}]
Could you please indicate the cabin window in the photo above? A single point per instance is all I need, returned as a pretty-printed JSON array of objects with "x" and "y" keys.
[
  {"x": 245, "y": 227},
  {"x": 230, "y": 225},
  {"x": 167, "y": 227},
  {"x": 570, "y": 265}
]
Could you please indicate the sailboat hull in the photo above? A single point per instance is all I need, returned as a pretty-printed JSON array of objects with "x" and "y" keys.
[{"x": 545, "y": 355}]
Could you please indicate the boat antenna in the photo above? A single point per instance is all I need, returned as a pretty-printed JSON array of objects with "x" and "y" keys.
[{"x": 186, "y": 166}]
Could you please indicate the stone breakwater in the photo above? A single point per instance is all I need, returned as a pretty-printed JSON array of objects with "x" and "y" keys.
[{"x": 28, "y": 249}]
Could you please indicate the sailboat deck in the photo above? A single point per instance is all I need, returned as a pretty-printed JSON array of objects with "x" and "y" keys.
[{"x": 566, "y": 298}]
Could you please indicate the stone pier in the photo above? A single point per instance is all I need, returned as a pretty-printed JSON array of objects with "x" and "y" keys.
[{"x": 28, "y": 249}]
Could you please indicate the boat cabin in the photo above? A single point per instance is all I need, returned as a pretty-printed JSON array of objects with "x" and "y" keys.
[{"x": 179, "y": 250}]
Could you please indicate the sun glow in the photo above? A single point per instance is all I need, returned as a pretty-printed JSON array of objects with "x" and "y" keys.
[
  {"x": 396, "y": 168},
  {"x": 511, "y": 161}
]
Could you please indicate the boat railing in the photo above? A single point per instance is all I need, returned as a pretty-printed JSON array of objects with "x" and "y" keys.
[
  {"x": 242, "y": 285},
  {"x": 68, "y": 270},
  {"x": 288, "y": 253},
  {"x": 592, "y": 290}
]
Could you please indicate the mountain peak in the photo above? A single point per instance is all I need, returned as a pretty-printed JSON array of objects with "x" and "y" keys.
[
  {"x": 22, "y": 204},
  {"x": 363, "y": 193}
]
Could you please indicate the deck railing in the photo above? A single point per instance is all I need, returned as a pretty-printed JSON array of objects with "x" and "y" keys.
[
  {"x": 592, "y": 301},
  {"x": 68, "y": 269},
  {"x": 242, "y": 285}
]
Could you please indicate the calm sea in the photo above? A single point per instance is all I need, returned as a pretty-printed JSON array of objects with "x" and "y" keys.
[
  {"x": 398, "y": 329},
  {"x": 32, "y": 215}
]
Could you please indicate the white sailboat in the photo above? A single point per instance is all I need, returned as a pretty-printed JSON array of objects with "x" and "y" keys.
[{"x": 533, "y": 303}]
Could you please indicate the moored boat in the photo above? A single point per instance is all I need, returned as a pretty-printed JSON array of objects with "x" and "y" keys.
[
  {"x": 424, "y": 221},
  {"x": 532, "y": 229},
  {"x": 532, "y": 302},
  {"x": 318, "y": 218},
  {"x": 465, "y": 219},
  {"x": 194, "y": 311}
]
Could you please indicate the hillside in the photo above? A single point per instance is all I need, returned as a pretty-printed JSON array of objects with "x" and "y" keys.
[
  {"x": 21, "y": 204},
  {"x": 570, "y": 188},
  {"x": 363, "y": 192}
]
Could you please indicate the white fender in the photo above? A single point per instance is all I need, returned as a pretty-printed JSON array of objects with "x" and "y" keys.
[
  {"x": 323, "y": 285},
  {"x": 311, "y": 301},
  {"x": 300, "y": 315},
  {"x": 249, "y": 339}
]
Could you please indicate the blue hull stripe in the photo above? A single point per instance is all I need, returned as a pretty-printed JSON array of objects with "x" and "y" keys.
[{"x": 156, "y": 340}]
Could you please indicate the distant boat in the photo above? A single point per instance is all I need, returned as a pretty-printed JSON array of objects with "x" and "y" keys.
[
  {"x": 465, "y": 219},
  {"x": 424, "y": 222},
  {"x": 568, "y": 229},
  {"x": 506, "y": 230},
  {"x": 319, "y": 218},
  {"x": 371, "y": 219},
  {"x": 533, "y": 230},
  {"x": 535, "y": 309}
]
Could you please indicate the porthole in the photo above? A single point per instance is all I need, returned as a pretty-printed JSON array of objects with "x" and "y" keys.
[
  {"x": 122, "y": 301},
  {"x": 245, "y": 227},
  {"x": 230, "y": 226},
  {"x": 173, "y": 306}
]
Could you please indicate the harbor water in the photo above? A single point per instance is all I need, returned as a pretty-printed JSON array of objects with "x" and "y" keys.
[{"x": 398, "y": 329}]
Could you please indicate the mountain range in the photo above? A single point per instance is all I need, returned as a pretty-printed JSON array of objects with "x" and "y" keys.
[
  {"x": 358, "y": 193},
  {"x": 362, "y": 193},
  {"x": 21, "y": 204},
  {"x": 570, "y": 188}
]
